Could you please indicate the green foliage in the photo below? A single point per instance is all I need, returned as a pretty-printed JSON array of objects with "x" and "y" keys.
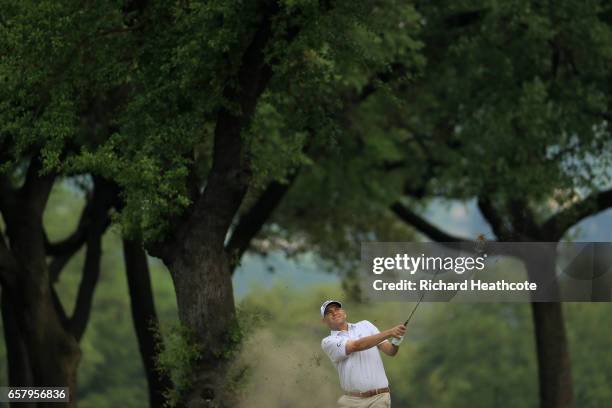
[
  {"x": 521, "y": 90},
  {"x": 56, "y": 59},
  {"x": 179, "y": 352},
  {"x": 588, "y": 328},
  {"x": 345, "y": 207},
  {"x": 478, "y": 354},
  {"x": 500, "y": 98},
  {"x": 345, "y": 186},
  {"x": 137, "y": 102},
  {"x": 177, "y": 358}
]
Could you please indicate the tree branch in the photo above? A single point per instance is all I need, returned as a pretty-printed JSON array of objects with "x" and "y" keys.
[
  {"x": 59, "y": 308},
  {"x": 91, "y": 273},
  {"x": 57, "y": 264},
  {"x": 71, "y": 244},
  {"x": 64, "y": 250},
  {"x": 490, "y": 214},
  {"x": 523, "y": 220},
  {"x": 104, "y": 196},
  {"x": 144, "y": 318},
  {"x": 424, "y": 226},
  {"x": 230, "y": 174},
  {"x": 557, "y": 225},
  {"x": 254, "y": 219},
  {"x": 36, "y": 188},
  {"x": 464, "y": 19},
  {"x": 442, "y": 237},
  {"x": 396, "y": 71}
]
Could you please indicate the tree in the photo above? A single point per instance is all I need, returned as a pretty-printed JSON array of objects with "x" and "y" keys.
[
  {"x": 144, "y": 318},
  {"x": 511, "y": 110},
  {"x": 62, "y": 81},
  {"x": 43, "y": 338},
  {"x": 522, "y": 126},
  {"x": 193, "y": 109}
]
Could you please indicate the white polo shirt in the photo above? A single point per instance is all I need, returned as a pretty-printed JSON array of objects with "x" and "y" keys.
[{"x": 361, "y": 370}]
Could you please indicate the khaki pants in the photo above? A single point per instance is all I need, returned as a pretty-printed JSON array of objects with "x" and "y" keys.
[{"x": 377, "y": 401}]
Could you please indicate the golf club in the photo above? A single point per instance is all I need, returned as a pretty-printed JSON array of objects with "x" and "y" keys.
[{"x": 396, "y": 341}]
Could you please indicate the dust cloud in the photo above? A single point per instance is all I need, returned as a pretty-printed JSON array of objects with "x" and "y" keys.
[{"x": 285, "y": 372}]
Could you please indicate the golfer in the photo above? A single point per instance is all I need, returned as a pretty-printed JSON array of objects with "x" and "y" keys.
[{"x": 353, "y": 349}]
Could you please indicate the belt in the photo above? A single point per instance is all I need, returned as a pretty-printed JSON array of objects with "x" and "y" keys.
[{"x": 370, "y": 393}]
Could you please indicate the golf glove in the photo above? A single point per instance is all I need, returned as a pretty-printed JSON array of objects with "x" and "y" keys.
[{"x": 396, "y": 342}]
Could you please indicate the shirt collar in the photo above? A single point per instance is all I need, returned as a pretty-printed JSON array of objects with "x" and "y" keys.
[{"x": 351, "y": 326}]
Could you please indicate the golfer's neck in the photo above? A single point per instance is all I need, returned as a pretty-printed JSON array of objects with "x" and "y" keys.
[{"x": 344, "y": 327}]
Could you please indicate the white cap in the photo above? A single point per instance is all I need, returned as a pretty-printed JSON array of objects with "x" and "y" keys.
[{"x": 327, "y": 303}]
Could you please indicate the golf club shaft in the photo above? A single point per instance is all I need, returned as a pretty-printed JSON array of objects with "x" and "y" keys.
[
  {"x": 413, "y": 310},
  {"x": 419, "y": 302}
]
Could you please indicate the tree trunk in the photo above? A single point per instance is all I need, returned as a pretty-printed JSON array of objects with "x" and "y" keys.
[
  {"x": 19, "y": 374},
  {"x": 554, "y": 368},
  {"x": 205, "y": 299},
  {"x": 144, "y": 318},
  {"x": 53, "y": 352},
  {"x": 195, "y": 253}
]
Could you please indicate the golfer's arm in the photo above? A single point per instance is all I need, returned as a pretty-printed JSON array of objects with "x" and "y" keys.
[
  {"x": 388, "y": 348},
  {"x": 365, "y": 343}
]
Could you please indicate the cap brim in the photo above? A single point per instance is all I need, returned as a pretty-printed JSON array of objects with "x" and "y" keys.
[{"x": 331, "y": 303}]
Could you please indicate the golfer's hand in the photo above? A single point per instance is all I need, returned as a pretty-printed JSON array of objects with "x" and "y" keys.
[{"x": 397, "y": 331}]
